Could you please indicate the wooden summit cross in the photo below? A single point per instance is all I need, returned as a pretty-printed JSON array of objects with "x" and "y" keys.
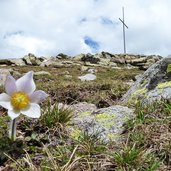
[{"x": 124, "y": 25}]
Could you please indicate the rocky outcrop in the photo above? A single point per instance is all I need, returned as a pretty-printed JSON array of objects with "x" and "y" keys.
[
  {"x": 103, "y": 59},
  {"x": 153, "y": 85},
  {"x": 113, "y": 60}
]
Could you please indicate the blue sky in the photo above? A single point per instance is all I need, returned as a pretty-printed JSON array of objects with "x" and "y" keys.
[
  {"x": 92, "y": 44},
  {"x": 47, "y": 28}
]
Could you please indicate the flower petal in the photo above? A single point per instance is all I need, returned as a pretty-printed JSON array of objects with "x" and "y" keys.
[
  {"x": 6, "y": 105},
  {"x": 5, "y": 101},
  {"x": 32, "y": 111},
  {"x": 13, "y": 114},
  {"x": 4, "y": 97},
  {"x": 26, "y": 83},
  {"x": 10, "y": 85},
  {"x": 38, "y": 96}
]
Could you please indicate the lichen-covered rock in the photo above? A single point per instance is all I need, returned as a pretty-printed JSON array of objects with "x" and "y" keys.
[
  {"x": 106, "y": 122},
  {"x": 154, "y": 84}
]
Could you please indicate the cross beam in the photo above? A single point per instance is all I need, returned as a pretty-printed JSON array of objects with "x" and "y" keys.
[{"x": 124, "y": 25}]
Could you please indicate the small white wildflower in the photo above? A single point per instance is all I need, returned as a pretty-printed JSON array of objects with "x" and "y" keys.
[{"x": 21, "y": 97}]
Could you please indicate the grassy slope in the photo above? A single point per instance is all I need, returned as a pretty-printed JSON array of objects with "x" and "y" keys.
[
  {"x": 110, "y": 84},
  {"x": 44, "y": 144}
]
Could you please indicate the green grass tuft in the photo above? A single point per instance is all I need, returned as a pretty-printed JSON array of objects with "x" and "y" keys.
[{"x": 54, "y": 115}]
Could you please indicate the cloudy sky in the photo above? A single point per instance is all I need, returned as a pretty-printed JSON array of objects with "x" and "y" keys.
[{"x": 50, "y": 27}]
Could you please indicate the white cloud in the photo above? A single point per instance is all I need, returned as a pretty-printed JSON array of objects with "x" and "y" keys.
[
  {"x": 50, "y": 27},
  {"x": 29, "y": 44}
]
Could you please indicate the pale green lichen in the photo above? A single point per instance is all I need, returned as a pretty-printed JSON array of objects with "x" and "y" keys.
[
  {"x": 126, "y": 118},
  {"x": 140, "y": 92},
  {"x": 164, "y": 85},
  {"x": 107, "y": 120},
  {"x": 108, "y": 124},
  {"x": 168, "y": 68},
  {"x": 112, "y": 136},
  {"x": 136, "y": 95},
  {"x": 103, "y": 117},
  {"x": 84, "y": 114},
  {"x": 144, "y": 83},
  {"x": 75, "y": 133}
]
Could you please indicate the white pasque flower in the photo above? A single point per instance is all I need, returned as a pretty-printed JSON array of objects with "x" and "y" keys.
[{"x": 21, "y": 97}]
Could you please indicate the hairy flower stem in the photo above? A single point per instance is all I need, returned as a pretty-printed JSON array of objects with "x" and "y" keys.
[{"x": 12, "y": 130}]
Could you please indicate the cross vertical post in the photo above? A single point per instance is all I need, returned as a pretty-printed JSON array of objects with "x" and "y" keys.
[{"x": 124, "y": 25}]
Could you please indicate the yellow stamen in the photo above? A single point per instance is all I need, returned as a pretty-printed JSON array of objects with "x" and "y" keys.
[{"x": 20, "y": 100}]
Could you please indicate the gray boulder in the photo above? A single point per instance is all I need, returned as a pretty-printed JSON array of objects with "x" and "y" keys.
[
  {"x": 62, "y": 56},
  {"x": 90, "y": 58},
  {"x": 78, "y": 57},
  {"x": 17, "y": 62},
  {"x": 154, "y": 84},
  {"x": 31, "y": 59},
  {"x": 118, "y": 59},
  {"x": 56, "y": 63},
  {"x": 107, "y": 123}
]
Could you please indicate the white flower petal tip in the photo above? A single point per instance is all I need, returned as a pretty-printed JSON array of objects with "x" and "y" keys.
[
  {"x": 13, "y": 114},
  {"x": 38, "y": 96},
  {"x": 33, "y": 111},
  {"x": 4, "y": 97},
  {"x": 5, "y": 101},
  {"x": 10, "y": 85},
  {"x": 26, "y": 83}
]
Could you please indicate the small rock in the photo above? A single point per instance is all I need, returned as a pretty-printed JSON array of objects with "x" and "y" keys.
[
  {"x": 87, "y": 77},
  {"x": 42, "y": 73},
  {"x": 92, "y": 71},
  {"x": 84, "y": 68}
]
